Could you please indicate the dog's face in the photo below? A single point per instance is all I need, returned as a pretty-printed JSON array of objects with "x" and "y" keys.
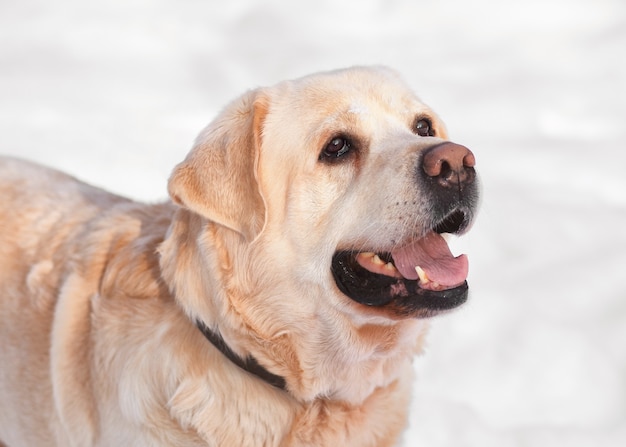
[
  {"x": 331, "y": 192},
  {"x": 356, "y": 175},
  {"x": 345, "y": 180}
]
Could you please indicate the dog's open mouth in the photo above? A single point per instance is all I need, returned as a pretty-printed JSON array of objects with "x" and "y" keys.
[{"x": 419, "y": 279}]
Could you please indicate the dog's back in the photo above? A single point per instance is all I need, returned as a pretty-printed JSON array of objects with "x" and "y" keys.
[
  {"x": 42, "y": 212},
  {"x": 52, "y": 228}
]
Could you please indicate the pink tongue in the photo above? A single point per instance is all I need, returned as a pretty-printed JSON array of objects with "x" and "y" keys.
[{"x": 432, "y": 254}]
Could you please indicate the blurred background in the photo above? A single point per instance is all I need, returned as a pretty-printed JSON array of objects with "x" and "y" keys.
[{"x": 115, "y": 92}]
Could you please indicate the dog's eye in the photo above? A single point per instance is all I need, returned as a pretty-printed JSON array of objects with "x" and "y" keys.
[
  {"x": 336, "y": 148},
  {"x": 424, "y": 128}
]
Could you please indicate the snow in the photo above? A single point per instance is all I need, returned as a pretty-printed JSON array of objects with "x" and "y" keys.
[{"x": 115, "y": 92}]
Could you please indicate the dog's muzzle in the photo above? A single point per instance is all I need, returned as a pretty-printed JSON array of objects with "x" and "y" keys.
[{"x": 421, "y": 278}]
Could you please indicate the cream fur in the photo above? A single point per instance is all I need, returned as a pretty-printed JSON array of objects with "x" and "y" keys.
[{"x": 98, "y": 294}]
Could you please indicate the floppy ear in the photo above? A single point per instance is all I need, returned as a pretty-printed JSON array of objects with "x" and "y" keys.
[{"x": 218, "y": 179}]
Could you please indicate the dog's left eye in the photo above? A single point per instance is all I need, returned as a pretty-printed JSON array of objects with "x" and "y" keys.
[
  {"x": 336, "y": 148},
  {"x": 424, "y": 128}
]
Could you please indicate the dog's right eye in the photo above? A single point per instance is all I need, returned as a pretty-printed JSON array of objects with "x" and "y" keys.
[{"x": 336, "y": 148}]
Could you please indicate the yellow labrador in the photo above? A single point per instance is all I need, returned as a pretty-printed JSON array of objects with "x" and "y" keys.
[{"x": 277, "y": 300}]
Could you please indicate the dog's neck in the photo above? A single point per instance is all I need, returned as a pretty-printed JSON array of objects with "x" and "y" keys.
[{"x": 248, "y": 364}]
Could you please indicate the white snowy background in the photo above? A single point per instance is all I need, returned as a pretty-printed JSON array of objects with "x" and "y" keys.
[{"x": 115, "y": 91}]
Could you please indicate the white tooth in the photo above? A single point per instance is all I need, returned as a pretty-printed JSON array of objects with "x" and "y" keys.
[
  {"x": 367, "y": 254},
  {"x": 390, "y": 266},
  {"x": 377, "y": 260},
  {"x": 422, "y": 275}
]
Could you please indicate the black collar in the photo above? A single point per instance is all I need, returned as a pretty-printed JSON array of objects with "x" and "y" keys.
[{"x": 248, "y": 364}]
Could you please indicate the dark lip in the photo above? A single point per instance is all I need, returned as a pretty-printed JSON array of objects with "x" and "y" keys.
[{"x": 401, "y": 297}]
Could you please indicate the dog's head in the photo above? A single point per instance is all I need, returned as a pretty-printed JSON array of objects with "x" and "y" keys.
[
  {"x": 349, "y": 175},
  {"x": 330, "y": 194}
]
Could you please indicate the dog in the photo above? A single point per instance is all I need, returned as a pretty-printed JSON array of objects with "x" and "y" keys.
[{"x": 277, "y": 299}]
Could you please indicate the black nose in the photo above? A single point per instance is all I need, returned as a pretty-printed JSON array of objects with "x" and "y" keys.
[{"x": 450, "y": 165}]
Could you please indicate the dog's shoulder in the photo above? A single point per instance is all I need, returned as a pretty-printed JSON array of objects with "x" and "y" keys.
[{"x": 47, "y": 215}]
